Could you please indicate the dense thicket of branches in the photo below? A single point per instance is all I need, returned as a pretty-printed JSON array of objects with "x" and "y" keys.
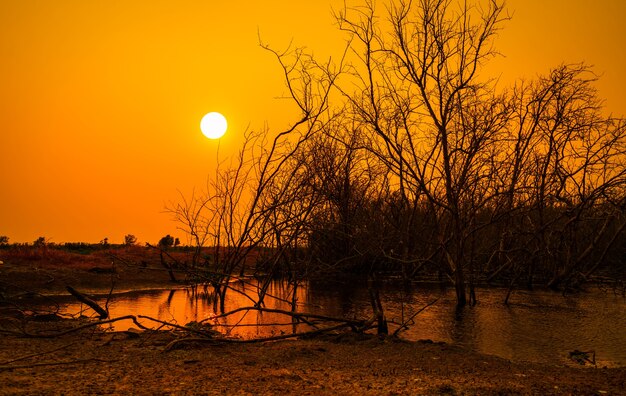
[{"x": 407, "y": 160}]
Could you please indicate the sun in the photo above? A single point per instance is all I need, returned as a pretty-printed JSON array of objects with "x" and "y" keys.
[{"x": 213, "y": 125}]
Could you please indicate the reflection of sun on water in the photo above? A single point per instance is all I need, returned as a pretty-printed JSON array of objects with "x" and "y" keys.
[
  {"x": 183, "y": 306},
  {"x": 250, "y": 324}
]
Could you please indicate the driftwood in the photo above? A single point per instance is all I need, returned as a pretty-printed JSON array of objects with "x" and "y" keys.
[
  {"x": 205, "y": 336},
  {"x": 88, "y": 301},
  {"x": 355, "y": 325},
  {"x": 319, "y": 324},
  {"x": 78, "y": 328},
  {"x": 134, "y": 318},
  {"x": 174, "y": 343}
]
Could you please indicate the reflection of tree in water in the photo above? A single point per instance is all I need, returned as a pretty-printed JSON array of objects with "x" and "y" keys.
[
  {"x": 339, "y": 298},
  {"x": 537, "y": 326}
]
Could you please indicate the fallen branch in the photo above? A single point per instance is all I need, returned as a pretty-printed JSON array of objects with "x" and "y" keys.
[
  {"x": 85, "y": 326},
  {"x": 37, "y": 354},
  {"x": 3, "y": 368},
  {"x": 172, "y": 344},
  {"x": 298, "y": 315},
  {"x": 211, "y": 333},
  {"x": 88, "y": 301}
]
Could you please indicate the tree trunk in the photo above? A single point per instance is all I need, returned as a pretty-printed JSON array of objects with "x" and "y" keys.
[
  {"x": 459, "y": 287},
  {"x": 377, "y": 307},
  {"x": 168, "y": 267}
]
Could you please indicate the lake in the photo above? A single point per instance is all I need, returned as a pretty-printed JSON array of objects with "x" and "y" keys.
[{"x": 539, "y": 326}]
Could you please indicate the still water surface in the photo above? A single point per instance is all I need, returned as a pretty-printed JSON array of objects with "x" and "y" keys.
[{"x": 538, "y": 326}]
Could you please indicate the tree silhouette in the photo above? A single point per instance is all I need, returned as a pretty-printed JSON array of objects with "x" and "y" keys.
[
  {"x": 166, "y": 242},
  {"x": 407, "y": 159},
  {"x": 130, "y": 240},
  {"x": 432, "y": 120}
]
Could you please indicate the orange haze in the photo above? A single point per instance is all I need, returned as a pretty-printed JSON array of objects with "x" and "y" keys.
[{"x": 100, "y": 102}]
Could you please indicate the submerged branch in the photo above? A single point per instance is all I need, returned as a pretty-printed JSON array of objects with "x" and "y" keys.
[
  {"x": 405, "y": 325},
  {"x": 297, "y": 315},
  {"x": 174, "y": 343}
]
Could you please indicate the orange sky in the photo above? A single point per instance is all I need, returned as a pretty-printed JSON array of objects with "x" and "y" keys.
[{"x": 100, "y": 102}]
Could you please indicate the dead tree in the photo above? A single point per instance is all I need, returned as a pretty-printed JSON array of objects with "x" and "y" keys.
[
  {"x": 418, "y": 92},
  {"x": 251, "y": 203}
]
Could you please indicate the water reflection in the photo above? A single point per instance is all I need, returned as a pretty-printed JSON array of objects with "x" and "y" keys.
[{"x": 536, "y": 326}]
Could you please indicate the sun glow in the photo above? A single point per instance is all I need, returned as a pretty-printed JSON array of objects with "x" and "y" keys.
[{"x": 213, "y": 125}]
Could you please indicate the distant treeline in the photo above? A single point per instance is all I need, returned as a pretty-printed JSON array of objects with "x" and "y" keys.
[{"x": 83, "y": 247}]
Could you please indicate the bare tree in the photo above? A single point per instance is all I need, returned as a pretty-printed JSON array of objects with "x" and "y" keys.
[
  {"x": 256, "y": 202},
  {"x": 432, "y": 119},
  {"x": 409, "y": 160},
  {"x": 575, "y": 170}
]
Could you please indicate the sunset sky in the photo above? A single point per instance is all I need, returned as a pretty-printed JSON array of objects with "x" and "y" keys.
[{"x": 100, "y": 102}]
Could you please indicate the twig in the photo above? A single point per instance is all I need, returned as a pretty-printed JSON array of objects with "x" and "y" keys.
[
  {"x": 404, "y": 324},
  {"x": 2, "y": 368},
  {"x": 185, "y": 328},
  {"x": 106, "y": 304},
  {"x": 36, "y": 354},
  {"x": 91, "y": 324}
]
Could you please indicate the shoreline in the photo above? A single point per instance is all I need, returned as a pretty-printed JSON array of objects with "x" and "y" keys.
[
  {"x": 89, "y": 362},
  {"x": 92, "y": 361}
]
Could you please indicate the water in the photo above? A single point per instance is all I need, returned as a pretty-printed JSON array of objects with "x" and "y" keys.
[{"x": 537, "y": 326}]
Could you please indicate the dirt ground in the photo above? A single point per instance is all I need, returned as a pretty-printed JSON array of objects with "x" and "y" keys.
[
  {"x": 120, "y": 363},
  {"x": 93, "y": 361}
]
